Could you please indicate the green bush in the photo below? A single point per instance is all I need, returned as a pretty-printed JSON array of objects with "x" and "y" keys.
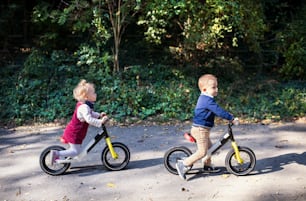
[
  {"x": 148, "y": 91},
  {"x": 291, "y": 44},
  {"x": 273, "y": 101},
  {"x": 42, "y": 91},
  {"x": 295, "y": 57}
]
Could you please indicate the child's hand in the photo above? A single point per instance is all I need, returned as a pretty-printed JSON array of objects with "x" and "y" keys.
[
  {"x": 102, "y": 114},
  {"x": 236, "y": 121},
  {"x": 104, "y": 119}
]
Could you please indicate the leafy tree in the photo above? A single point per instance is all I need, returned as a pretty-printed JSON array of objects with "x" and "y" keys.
[
  {"x": 63, "y": 25},
  {"x": 74, "y": 38},
  {"x": 120, "y": 13},
  {"x": 204, "y": 25},
  {"x": 97, "y": 18}
]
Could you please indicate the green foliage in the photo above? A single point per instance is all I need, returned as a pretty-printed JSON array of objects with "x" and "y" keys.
[
  {"x": 205, "y": 26},
  {"x": 295, "y": 57},
  {"x": 269, "y": 99},
  {"x": 72, "y": 23},
  {"x": 101, "y": 35},
  {"x": 141, "y": 92},
  {"x": 292, "y": 46},
  {"x": 77, "y": 15},
  {"x": 44, "y": 86},
  {"x": 40, "y": 93},
  {"x": 207, "y": 34},
  {"x": 228, "y": 68},
  {"x": 73, "y": 41}
]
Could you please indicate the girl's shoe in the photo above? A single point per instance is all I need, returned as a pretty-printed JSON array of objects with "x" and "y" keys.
[{"x": 53, "y": 156}]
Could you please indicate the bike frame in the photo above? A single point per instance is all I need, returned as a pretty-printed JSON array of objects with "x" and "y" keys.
[
  {"x": 91, "y": 144},
  {"x": 222, "y": 141}
]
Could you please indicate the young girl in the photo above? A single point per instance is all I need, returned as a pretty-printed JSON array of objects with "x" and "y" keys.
[{"x": 83, "y": 115}]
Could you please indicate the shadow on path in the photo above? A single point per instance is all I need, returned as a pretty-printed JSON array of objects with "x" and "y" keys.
[
  {"x": 199, "y": 172},
  {"x": 277, "y": 163},
  {"x": 98, "y": 169},
  {"x": 263, "y": 166}
]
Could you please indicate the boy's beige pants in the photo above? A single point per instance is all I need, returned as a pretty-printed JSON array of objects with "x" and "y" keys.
[{"x": 203, "y": 144}]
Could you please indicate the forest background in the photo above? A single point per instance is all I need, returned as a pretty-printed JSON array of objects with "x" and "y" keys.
[{"x": 145, "y": 57}]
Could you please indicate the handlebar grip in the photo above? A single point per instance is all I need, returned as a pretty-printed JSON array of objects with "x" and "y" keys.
[{"x": 104, "y": 119}]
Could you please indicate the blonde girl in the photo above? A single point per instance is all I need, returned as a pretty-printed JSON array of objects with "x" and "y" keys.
[{"x": 83, "y": 116}]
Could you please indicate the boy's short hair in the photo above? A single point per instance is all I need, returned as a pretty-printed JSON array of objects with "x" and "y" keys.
[{"x": 204, "y": 79}]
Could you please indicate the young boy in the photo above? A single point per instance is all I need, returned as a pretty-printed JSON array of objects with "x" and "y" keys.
[{"x": 204, "y": 116}]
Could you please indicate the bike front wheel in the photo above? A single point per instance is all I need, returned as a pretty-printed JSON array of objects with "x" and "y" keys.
[
  {"x": 118, "y": 163},
  {"x": 174, "y": 154},
  {"x": 45, "y": 165},
  {"x": 248, "y": 165}
]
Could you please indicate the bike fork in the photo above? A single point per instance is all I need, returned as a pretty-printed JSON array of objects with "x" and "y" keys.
[
  {"x": 237, "y": 153},
  {"x": 111, "y": 148}
]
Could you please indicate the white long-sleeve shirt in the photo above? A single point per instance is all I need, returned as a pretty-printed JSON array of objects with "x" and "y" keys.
[{"x": 85, "y": 113}]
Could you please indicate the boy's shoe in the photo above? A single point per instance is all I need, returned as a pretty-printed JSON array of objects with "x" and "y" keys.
[
  {"x": 53, "y": 156},
  {"x": 181, "y": 169},
  {"x": 211, "y": 169}
]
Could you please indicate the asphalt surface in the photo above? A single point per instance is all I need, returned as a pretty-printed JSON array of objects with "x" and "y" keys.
[{"x": 278, "y": 176}]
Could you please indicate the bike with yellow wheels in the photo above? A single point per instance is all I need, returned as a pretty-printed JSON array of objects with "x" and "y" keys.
[
  {"x": 115, "y": 156},
  {"x": 238, "y": 161}
]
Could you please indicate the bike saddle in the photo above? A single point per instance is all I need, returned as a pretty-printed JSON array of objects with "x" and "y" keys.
[
  {"x": 189, "y": 137},
  {"x": 63, "y": 140}
]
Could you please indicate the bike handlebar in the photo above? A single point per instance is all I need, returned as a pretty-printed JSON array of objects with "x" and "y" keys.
[{"x": 106, "y": 119}]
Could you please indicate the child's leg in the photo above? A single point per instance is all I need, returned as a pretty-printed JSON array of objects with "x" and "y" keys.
[
  {"x": 202, "y": 137},
  {"x": 208, "y": 161},
  {"x": 74, "y": 150}
]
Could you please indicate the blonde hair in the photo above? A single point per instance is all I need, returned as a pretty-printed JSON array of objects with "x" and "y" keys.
[
  {"x": 81, "y": 90},
  {"x": 204, "y": 79}
]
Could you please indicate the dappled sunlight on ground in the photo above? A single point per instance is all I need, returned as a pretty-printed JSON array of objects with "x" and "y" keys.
[{"x": 278, "y": 175}]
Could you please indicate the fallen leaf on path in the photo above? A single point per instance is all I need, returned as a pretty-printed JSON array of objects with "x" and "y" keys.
[
  {"x": 225, "y": 176},
  {"x": 111, "y": 185},
  {"x": 18, "y": 192}
]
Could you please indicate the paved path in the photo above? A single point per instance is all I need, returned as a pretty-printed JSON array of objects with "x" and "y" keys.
[{"x": 279, "y": 174}]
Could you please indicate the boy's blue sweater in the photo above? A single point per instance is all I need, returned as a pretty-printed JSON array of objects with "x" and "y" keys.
[{"x": 206, "y": 110}]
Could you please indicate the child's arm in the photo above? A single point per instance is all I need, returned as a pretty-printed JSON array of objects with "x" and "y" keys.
[
  {"x": 84, "y": 113},
  {"x": 220, "y": 112},
  {"x": 97, "y": 114}
]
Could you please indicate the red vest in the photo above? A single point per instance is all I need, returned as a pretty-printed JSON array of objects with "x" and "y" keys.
[{"x": 76, "y": 130}]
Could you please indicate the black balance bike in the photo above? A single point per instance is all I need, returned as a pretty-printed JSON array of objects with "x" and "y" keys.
[
  {"x": 238, "y": 161},
  {"x": 115, "y": 156}
]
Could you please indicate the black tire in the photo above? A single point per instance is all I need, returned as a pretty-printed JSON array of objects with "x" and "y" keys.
[
  {"x": 55, "y": 169},
  {"x": 249, "y": 162},
  {"x": 174, "y": 154},
  {"x": 123, "y": 157}
]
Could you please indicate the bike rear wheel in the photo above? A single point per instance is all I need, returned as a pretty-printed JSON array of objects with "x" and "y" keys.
[
  {"x": 174, "y": 154},
  {"x": 56, "y": 168},
  {"x": 123, "y": 157},
  {"x": 248, "y": 165}
]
